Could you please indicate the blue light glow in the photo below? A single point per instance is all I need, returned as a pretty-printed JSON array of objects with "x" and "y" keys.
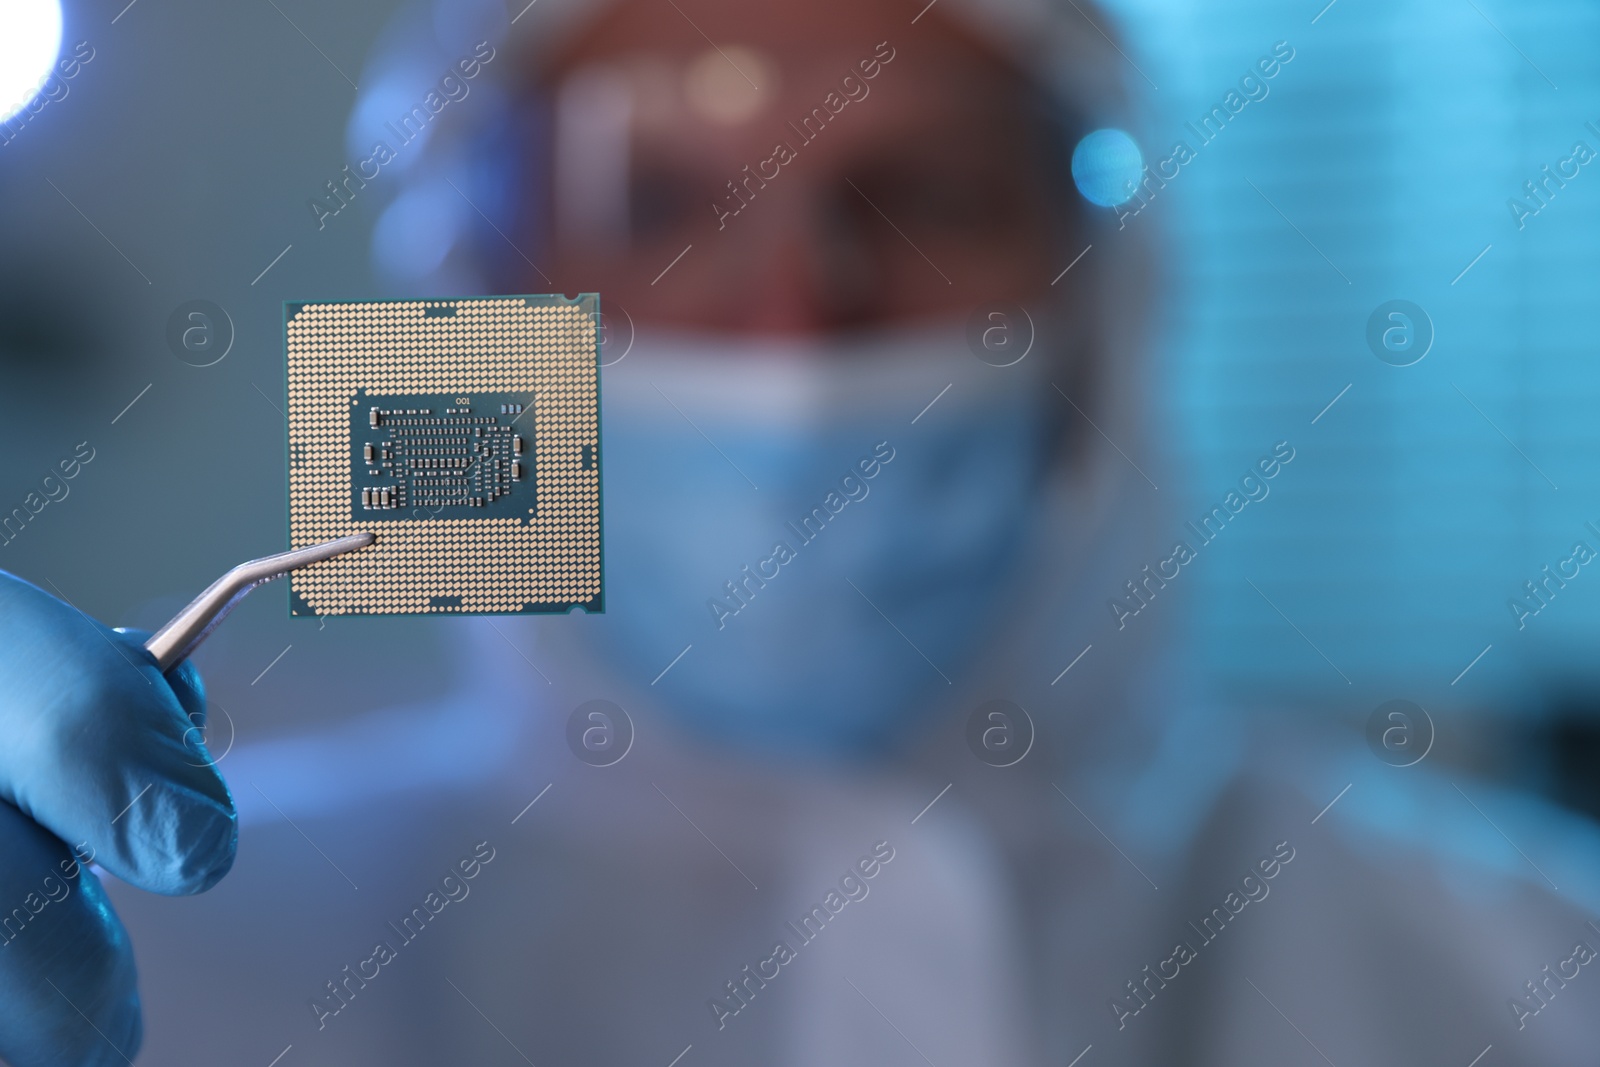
[
  {"x": 30, "y": 38},
  {"x": 1106, "y": 167}
]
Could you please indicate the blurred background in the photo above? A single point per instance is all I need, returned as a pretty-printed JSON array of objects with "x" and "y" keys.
[{"x": 1382, "y": 165}]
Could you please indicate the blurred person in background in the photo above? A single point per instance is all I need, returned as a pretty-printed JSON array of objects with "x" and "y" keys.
[{"x": 878, "y": 779}]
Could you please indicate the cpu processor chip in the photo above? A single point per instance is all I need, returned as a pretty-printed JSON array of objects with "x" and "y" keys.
[{"x": 465, "y": 435}]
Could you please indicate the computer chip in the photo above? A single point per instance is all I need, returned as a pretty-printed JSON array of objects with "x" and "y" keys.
[{"x": 464, "y": 434}]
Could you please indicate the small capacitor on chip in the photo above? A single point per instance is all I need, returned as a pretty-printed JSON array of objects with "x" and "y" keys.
[
  {"x": 516, "y": 470},
  {"x": 366, "y": 452},
  {"x": 516, "y": 445}
]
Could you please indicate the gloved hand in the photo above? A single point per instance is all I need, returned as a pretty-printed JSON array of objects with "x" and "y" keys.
[{"x": 100, "y": 761}]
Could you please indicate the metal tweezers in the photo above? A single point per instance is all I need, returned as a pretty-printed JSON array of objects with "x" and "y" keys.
[{"x": 172, "y": 644}]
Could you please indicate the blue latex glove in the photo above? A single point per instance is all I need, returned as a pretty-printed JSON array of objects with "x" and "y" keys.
[{"x": 100, "y": 760}]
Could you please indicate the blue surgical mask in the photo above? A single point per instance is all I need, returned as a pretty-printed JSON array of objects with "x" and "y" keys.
[{"x": 805, "y": 544}]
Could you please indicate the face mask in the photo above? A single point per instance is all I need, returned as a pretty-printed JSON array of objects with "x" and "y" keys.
[{"x": 805, "y": 543}]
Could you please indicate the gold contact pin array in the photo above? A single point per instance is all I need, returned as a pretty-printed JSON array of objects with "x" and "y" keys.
[{"x": 541, "y": 347}]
